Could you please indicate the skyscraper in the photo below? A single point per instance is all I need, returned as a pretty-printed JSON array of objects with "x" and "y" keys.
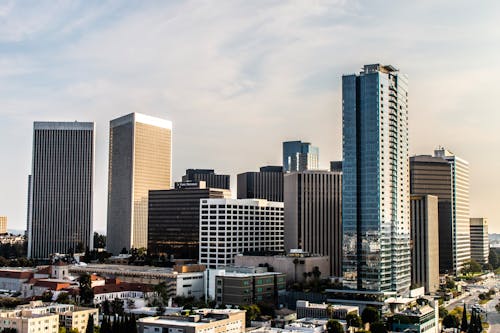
[
  {"x": 313, "y": 215},
  {"x": 62, "y": 188},
  {"x": 479, "y": 241},
  {"x": 266, "y": 184},
  {"x": 300, "y": 156},
  {"x": 375, "y": 187},
  {"x": 210, "y": 178},
  {"x": 140, "y": 159}
]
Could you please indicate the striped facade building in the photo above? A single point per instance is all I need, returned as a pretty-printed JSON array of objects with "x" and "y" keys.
[
  {"x": 479, "y": 241},
  {"x": 266, "y": 184},
  {"x": 62, "y": 188},
  {"x": 313, "y": 215}
]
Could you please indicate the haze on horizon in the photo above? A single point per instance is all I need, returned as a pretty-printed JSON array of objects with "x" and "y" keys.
[{"x": 237, "y": 78}]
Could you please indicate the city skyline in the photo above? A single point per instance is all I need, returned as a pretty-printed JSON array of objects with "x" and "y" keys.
[{"x": 286, "y": 75}]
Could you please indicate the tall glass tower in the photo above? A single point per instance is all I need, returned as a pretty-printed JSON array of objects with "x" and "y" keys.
[
  {"x": 376, "y": 202},
  {"x": 300, "y": 156}
]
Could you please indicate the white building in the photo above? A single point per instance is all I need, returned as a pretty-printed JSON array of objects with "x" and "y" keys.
[{"x": 232, "y": 226}]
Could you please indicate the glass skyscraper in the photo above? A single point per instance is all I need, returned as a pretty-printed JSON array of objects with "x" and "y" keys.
[
  {"x": 376, "y": 202},
  {"x": 300, "y": 156}
]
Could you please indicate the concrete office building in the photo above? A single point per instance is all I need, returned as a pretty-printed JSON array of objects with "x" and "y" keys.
[
  {"x": 3, "y": 224},
  {"x": 336, "y": 166},
  {"x": 300, "y": 156},
  {"x": 265, "y": 184},
  {"x": 140, "y": 160},
  {"x": 479, "y": 242},
  {"x": 212, "y": 179},
  {"x": 62, "y": 188},
  {"x": 313, "y": 215},
  {"x": 232, "y": 226},
  {"x": 376, "y": 194},
  {"x": 174, "y": 219},
  {"x": 425, "y": 241}
]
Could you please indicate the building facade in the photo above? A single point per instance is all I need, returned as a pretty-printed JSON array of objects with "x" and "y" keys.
[
  {"x": 425, "y": 242},
  {"x": 232, "y": 226},
  {"x": 212, "y": 179},
  {"x": 265, "y": 184},
  {"x": 375, "y": 185},
  {"x": 62, "y": 188},
  {"x": 3, "y": 224},
  {"x": 140, "y": 160},
  {"x": 300, "y": 156},
  {"x": 479, "y": 241},
  {"x": 174, "y": 219},
  {"x": 313, "y": 215}
]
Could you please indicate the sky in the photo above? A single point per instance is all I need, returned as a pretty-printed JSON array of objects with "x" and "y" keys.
[{"x": 237, "y": 78}]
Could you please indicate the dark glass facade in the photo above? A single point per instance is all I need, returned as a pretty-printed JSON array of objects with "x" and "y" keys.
[
  {"x": 211, "y": 179},
  {"x": 266, "y": 184}
]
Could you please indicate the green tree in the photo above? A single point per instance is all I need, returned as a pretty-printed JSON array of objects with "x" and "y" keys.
[
  {"x": 86, "y": 292},
  {"x": 160, "y": 310},
  {"x": 471, "y": 267},
  {"x": 90, "y": 324},
  {"x": 63, "y": 298},
  {"x": 117, "y": 307},
  {"x": 464, "y": 326},
  {"x": 370, "y": 315},
  {"x": 333, "y": 326},
  {"x": 378, "y": 327},
  {"x": 99, "y": 241},
  {"x": 252, "y": 311},
  {"x": 353, "y": 320},
  {"x": 161, "y": 291},
  {"x": 105, "y": 306},
  {"x": 62, "y": 329},
  {"x": 493, "y": 259},
  {"x": 442, "y": 311},
  {"x": 451, "y": 321},
  {"x": 47, "y": 296}
]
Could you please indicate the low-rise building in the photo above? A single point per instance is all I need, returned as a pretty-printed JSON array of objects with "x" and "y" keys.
[
  {"x": 12, "y": 279},
  {"x": 419, "y": 317},
  {"x": 305, "y": 309},
  {"x": 203, "y": 320},
  {"x": 122, "y": 290},
  {"x": 25, "y": 322}
]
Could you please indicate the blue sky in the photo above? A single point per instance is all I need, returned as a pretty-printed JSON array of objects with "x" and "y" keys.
[{"x": 239, "y": 77}]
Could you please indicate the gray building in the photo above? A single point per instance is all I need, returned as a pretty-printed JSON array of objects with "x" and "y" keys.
[
  {"x": 140, "y": 160},
  {"x": 212, "y": 179},
  {"x": 425, "y": 242},
  {"x": 265, "y": 184},
  {"x": 375, "y": 184},
  {"x": 300, "y": 156},
  {"x": 313, "y": 215},
  {"x": 62, "y": 188},
  {"x": 174, "y": 219},
  {"x": 479, "y": 241}
]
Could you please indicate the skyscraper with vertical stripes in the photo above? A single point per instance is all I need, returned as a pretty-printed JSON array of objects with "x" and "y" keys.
[{"x": 62, "y": 188}]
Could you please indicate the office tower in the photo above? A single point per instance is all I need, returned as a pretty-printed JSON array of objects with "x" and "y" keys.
[
  {"x": 425, "y": 240},
  {"x": 336, "y": 166},
  {"x": 3, "y": 224},
  {"x": 140, "y": 160},
  {"x": 174, "y": 219},
  {"x": 460, "y": 213},
  {"x": 266, "y": 184},
  {"x": 232, "y": 226},
  {"x": 62, "y": 188},
  {"x": 300, "y": 156},
  {"x": 313, "y": 215},
  {"x": 479, "y": 242},
  {"x": 28, "y": 206},
  {"x": 376, "y": 200},
  {"x": 432, "y": 175},
  {"x": 212, "y": 179}
]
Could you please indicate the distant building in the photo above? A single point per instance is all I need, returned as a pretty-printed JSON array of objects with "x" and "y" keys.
[
  {"x": 306, "y": 309},
  {"x": 140, "y": 160},
  {"x": 212, "y": 179},
  {"x": 29, "y": 205},
  {"x": 174, "y": 219},
  {"x": 300, "y": 156},
  {"x": 62, "y": 188},
  {"x": 115, "y": 289},
  {"x": 313, "y": 215},
  {"x": 203, "y": 320},
  {"x": 12, "y": 279},
  {"x": 265, "y": 184},
  {"x": 336, "y": 166},
  {"x": 479, "y": 242},
  {"x": 3, "y": 224},
  {"x": 425, "y": 241},
  {"x": 27, "y": 322},
  {"x": 232, "y": 226}
]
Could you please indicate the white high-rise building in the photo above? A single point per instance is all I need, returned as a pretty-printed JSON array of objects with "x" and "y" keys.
[
  {"x": 232, "y": 226},
  {"x": 460, "y": 213},
  {"x": 479, "y": 241}
]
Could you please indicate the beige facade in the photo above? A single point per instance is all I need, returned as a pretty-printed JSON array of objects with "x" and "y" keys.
[
  {"x": 479, "y": 241},
  {"x": 3, "y": 224},
  {"x": 78, "y": 318},
  {"x": 140, "y": 159},
  {"x": 25, "y": 322}
]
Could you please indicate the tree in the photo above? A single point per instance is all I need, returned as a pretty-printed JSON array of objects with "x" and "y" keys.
[
  {"x": 160, "y": 310},
  {"x": 90, "y": 324},
  {"x": 47, "y": 296},
  {"x": 370, "y": 315},
  {"x": 105, "y": 325},
  {"x": 464, "y": 326},
  {"x": 161, "y": 291},
  {"x": 86, "y": 292},
  {"x": 378, "y": 327},
  {"x": 252, "y": 311},
  {"x": 450, "y": 321},
  {"x": 353, "y": 320},
  {"x": 130, "y": 304},
  {"x": 471, "y": 267},
  {"x": 442, "y": 311},
  {"x": 63, "y": 298},
  {"x": 117, "y": 306},
  {"x": 99, "y": 241},
  {"x": 62, "y": 329},
  {"x": 316, "y": 272},
  {"x": 105, "y": 306},
  {"x": 333, "y": 326},
  {"x": 124, "y": 251}
]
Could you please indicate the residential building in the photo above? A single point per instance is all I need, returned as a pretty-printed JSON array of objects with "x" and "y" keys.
[
  {"x": 12, "y": 279},
  {"x": 375, "y": 184},
  {"x": 3, "y": 224},
  {"x": 25, "y": 322},
  {"x": 62, "y": 188},
  {"x": 416, "y": 318},
  {"x": 306, "y": 309},
  {"x": 313, "y": 215},
  {"x": 140, "y": 160},
  {"x": 232, "y": 226},
  {"x": 203, "y": 320},
  {"x": 174, "y": 219},
  {"x": 293, "y": 265},
  {"x": 265, "y": 184},
  {"x": 300, "y": 156},
  {"x": 211, "y": 179},
  {"x": 479, "y": 242},
  {"x": 425, "y": 242}
]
